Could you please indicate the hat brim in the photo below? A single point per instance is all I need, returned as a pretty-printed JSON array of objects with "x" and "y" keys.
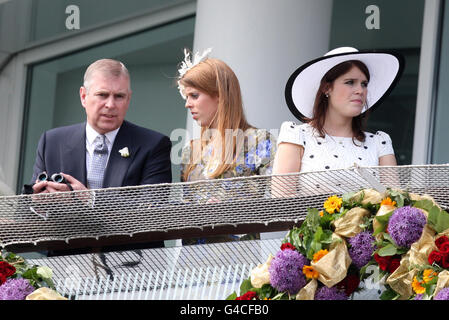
[{"x": 385, "y": 69}]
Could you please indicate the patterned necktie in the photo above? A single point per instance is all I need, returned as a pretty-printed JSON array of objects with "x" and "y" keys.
[{"x": 98, "y": 163}]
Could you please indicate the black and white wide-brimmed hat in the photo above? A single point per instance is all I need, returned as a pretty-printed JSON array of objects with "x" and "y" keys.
[{"x": 385, "y": 68}]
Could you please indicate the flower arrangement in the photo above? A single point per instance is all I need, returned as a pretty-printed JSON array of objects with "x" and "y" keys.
[
  {"x": 21, "y": 281},
  {"x": 396, "y": 239},
  {"x": 124, "y": 152}
]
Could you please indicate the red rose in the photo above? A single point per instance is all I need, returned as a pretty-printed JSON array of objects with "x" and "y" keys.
[
  {"x": 444, "y": 247},
  {"x": 2, "y": 279},
  {"x": 394, "y": 264},
  {"x": 436, "y": 257},
  {"x": 287, "y": 245},
  {"x": 445, "y": 261},
  {"x": 6, "y": 269},
  {"x": 440, "y": 241},
  {"x": 383, "y": 262},
  {"x": 250, "y": 295},
  {"x": 349, "y": 284}
]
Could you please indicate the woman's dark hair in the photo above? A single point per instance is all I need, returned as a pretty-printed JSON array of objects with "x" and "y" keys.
[{"x": 321, "y": 101}]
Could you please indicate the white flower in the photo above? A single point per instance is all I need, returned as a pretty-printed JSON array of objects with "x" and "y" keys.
[
  {"x": 124, "y": 152},
  {"x": 260, "y": 274},
  {"x": 45, "y": 272}
]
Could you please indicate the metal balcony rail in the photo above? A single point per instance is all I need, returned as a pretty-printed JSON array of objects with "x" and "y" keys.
[
  {"x": 171, "y": 211},
  {"x": 198, "y": 272}
]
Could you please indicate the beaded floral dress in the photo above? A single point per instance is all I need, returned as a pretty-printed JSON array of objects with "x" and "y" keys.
[{"x": 254, "y": 158}]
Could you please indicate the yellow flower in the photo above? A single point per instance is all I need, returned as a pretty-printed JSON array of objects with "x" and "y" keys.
[
  {"x": 333, "y": 204},
  {"x": 387, "y": 202},
  {"x": 317, "y": 256},
  {"x": 417, "y": 286},
  {"x": 310, "y": 273},
  {"x": 321, "y": 213},
  {"x": 428, "y": 275}
]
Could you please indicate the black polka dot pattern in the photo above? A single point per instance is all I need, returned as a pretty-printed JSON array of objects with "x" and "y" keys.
[{"x": 326, "y": 153}]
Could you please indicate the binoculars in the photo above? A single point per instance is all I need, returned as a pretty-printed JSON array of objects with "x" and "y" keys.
[{"x": 55, "y": 177}]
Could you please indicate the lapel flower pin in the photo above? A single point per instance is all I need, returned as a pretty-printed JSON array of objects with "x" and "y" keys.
[{"x": 124, "y": 152}]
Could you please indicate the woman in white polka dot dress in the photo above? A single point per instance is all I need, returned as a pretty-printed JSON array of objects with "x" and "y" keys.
[{"x": 331, "y": 96}]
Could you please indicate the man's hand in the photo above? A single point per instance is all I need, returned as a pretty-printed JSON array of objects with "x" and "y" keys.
[
  {"x": 50, "y": 186},
  {"x": 62, "y": 187},
  {"x": 55, "y": 187},
  {"x": 40, "y": 187}
]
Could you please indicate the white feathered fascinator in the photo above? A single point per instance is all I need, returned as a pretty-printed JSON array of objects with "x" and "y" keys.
[{"x": 188, "y": 64}]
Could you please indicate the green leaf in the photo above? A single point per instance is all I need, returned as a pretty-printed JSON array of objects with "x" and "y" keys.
[
  {"x": 245, "y": 286},
  {"x": 281, "y": 296},
  {"x": 313, "y": 219},
  {"x": 387, "y": 237},
  {"x": 266, "y": 291},
  {"x": 438, "y": 219},
  {"x": 378, "y": 230},
  {"x": 401, "y": 198},
  {"x": 388, "y": 250},
  {"x": 430, "y": 289},
  {"x": 384, "y": 218},
  {"x": 318, "y": 233},
  {"x": 389, "y": 294},
  {"x": 326, "y": 237},
  {"x": 423, "y": 204},
  {"x": 232, "y": 296}
]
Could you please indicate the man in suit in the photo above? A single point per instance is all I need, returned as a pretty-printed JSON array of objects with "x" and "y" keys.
[
  {"x": 73, "y": 150},
  {"x": 105, "y": 96}
]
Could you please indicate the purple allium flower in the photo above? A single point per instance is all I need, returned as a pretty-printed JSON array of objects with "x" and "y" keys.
[
  {"x": 418, "y": 296},
  {"x": 443, "y": 294},
  {"x": 286, "y": 271},
  {"x": 332, "y": 293},
  {"x": 15, "y": 289},
  {"x": 406, "y": 225},
  {"x": 362, "y": 248}
]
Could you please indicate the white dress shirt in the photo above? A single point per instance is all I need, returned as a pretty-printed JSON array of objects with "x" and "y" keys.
[{"x": 91, "y": 135}]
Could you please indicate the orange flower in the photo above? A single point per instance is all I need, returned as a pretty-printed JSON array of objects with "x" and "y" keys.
[
  {"x": 321, "y": 213},
  {"x": 388, "y": 202},
  {"x": 417, "y": 286},
  {"x": 309, "y": 272},
  {"x": 317, "y": 256},
  {"x": 333, "y": 204},
  {"x": 428, "y": 275}
]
